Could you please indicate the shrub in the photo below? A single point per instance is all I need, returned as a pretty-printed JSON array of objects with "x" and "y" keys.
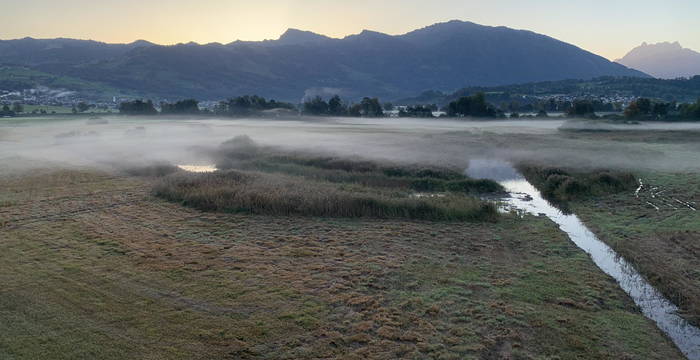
[{"x": 470, "y": 186}]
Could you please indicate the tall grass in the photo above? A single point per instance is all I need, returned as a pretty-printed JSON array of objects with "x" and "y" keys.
[
  {"x": 242, "y": 153},
  {"x": 279, "y": 194},
  {"x": 564, "y": 185},
  {"x": 156, "y": 169}
]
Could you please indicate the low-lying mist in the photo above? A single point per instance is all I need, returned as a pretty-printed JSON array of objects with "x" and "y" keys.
[{"x": 117, "y": 141}]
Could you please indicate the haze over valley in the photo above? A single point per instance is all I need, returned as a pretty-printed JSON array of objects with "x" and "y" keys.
[{"x": 449, "y": 191}]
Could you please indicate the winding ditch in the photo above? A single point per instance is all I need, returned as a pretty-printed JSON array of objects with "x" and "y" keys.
[{"x": 523, "y": 196}]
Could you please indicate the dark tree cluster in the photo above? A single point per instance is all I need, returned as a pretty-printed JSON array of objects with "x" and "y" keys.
[
  {"x": 368, "y": 107},
  {"x": 138, "y": 107},
  {"x": 422, "y": 111},
  {"x": 474, "y": 105},
  {"x": 691, "y": 111},
  {"x": 188, "y": 106},
  {"x": 6, "y": 111},
  {"x": 582, "y": 108},
  {"x": 318, "y": 106},
  {"x": 644, "y": 108},
  {"x": 249, "y": 104}
]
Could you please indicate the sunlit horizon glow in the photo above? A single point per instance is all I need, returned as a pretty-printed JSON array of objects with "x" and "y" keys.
[{"x": 603, "y": 27}]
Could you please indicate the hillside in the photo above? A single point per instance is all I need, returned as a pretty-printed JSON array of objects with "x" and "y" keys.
[
  {"x": 17, "y": 78},
  {"x": 445, "y": 56},
  {"x": 680, "y": 90}
]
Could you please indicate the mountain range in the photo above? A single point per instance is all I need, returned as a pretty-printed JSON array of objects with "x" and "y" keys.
[
  {"x": 445, "y": 56},
  {"x": 663, "y": 60}
]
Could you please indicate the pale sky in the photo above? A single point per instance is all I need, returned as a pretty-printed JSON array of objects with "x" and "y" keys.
[{"x": 606, "y": 27}]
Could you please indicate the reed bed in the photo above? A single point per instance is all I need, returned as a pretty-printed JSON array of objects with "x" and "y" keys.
[
  {"x": 242, "y": 153},
  {"x": 566, "y": 185},
  {"x": 285, "y": 195}
]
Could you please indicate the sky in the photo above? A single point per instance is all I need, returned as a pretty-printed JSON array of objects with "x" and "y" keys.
[{"x": 609, "y": 28}]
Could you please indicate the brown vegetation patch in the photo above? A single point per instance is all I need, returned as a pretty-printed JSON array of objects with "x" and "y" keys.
[{"x": 276, "y": 194}]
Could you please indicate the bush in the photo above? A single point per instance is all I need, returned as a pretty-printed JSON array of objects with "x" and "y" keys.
[{"x": 471, "y": 186}]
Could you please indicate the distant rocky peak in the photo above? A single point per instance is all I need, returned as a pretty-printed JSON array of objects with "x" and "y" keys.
[{"x": 296, "y": 36}]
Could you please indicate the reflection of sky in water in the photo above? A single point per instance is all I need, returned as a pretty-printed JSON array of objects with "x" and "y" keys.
[
  {"x": 651, "y": 302},
  {"x": 198, "y": 168}
]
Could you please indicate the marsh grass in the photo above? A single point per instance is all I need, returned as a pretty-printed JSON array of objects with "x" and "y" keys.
[
  {"x": 563, "y": 185},
  {"x": 244, "y": 154},
  {"x": 280, "y": 194},
  {"x": 156, "y": 169}
]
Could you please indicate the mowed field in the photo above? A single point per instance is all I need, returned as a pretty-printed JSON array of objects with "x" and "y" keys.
[{"x": 93, "y": 266}]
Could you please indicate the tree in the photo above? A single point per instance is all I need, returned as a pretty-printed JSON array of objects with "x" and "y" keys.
[
  {"x": 247, "y": 105},
  {"x": 82, "y": 107},
  {"x": 388, "y": 106},
  {"x": 336, "y": 106},
  {"x": 316, "y": 106},
  {"x": 17, "y": 108},
  {"x": 474, "y": 105},
  {"x": 371, "y": 107},
  {"x": 638, "y": 108},
  {"x": 137, "y": 107},
  {"x": 661, "y": 109},
  {"x": 6, "y": 111},
  {"x": 584, "y": 108},
  {"x": 355, "y": 110},
  {"x": 416, "y": 111},
  {"x": 646, "y": 108},
  {"x": 189, "y": 106},
  {"x": 691, "y": 111}
]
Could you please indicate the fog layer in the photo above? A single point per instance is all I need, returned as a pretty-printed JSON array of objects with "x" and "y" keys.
[{"x": 71, "y": 142}]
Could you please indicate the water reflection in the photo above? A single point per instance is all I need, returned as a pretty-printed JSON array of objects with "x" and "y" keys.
[
  {"x": 525, "y": 197},
  {"x": 198, "y": 168}
]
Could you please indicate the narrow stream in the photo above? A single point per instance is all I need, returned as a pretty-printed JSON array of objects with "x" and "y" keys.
[{"x": 525, "y": 197}]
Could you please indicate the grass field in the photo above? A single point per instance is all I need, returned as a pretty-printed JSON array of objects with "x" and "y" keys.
[
  {"x": 657, "y": 229},
  {"x": 93, "y": 266},
  {"x": 663, "y": 243}
]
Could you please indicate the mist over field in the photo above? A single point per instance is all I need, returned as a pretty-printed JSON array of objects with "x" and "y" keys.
[
  {"x": 133, "y": 140},
  {"x": 349, "y": 180}
]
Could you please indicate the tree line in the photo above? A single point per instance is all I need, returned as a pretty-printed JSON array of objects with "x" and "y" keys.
[
  {"x": 648, "y": 109},
  {"x": 368, "y": 107},
  {"x": 475, "y": 105},
  {"x": 642, "y": 109}
]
